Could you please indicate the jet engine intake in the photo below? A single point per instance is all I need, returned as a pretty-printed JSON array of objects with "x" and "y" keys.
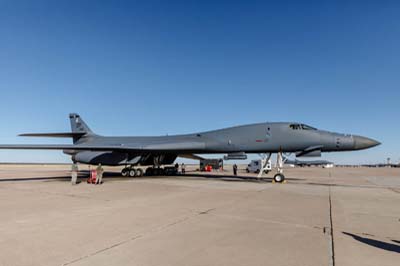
[
  {"x": 313, "y": 153},
  {"x": 236, "y": 156}
]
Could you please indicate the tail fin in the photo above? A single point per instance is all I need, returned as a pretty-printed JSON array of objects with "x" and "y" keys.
[{"x": 79, "y": 126}]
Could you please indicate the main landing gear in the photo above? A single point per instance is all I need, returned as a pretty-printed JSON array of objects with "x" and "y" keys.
[
  {"x": 155, "y": 171},
  {"x": 132, "y": 172},
  {"x": 150, "y": 171}
]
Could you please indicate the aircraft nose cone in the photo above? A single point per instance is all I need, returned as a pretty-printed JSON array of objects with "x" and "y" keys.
[{"x": 361, "y": 143}]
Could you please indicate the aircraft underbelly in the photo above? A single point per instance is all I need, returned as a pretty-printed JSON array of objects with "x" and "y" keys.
[
  {"x": 120, "y": 158},
  {"x": 104, "y": 158}
]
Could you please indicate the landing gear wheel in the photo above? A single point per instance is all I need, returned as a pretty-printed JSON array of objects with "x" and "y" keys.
[
  {"x": 155, "y": 172},
  {"x": 132, "y": 172},
  {"x": 279, "y": 178},
  {"x": 139, "y": 172},
  {"x": 266, "y": 172},
  {"x": 158, "y": 171},
  {"x": 125, "y": 172},
  {"x": 149, "y": 171}
]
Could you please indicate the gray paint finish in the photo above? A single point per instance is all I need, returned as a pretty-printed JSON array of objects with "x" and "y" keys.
[{"x": 272, "y": 137}]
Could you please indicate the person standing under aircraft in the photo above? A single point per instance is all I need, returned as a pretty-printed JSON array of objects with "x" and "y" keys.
[
  {"x": 74, "y": 173},
  {"x": 183, "y": 168},
  {"x": 235, "y": 170},
  {"x": 177, "y": 168},
  {"x": 99, "y": 173}
]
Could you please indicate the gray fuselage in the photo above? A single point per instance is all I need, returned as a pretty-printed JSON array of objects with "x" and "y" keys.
[{"x": 254, "y": 138}]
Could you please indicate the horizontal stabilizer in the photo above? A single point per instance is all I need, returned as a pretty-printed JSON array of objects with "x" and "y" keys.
[
  {"x": 54, "y": 135},
  {"x": 59, "y": 147}
]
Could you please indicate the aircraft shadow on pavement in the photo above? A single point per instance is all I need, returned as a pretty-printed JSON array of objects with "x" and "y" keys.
[
  {"x": 84, "y": 174},
  {"x": 376, "y": 243},
  {"x": 20, "y": 179},
  {"x": 230, "y": 178},
  {"x": 233, "y": 178}
]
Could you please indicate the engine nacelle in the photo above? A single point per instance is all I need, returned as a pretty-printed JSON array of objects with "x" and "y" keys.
[
  {"x": 235, "y": 156},
  {"x": 314, "y": 153},
  {"x": 104, "y": 158}
]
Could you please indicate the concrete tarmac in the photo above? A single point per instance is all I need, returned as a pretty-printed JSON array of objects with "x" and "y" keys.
[{"x": 200, "y": 219}]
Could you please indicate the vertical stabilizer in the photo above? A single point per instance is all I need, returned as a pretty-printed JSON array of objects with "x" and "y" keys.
[{"x": 79, "y": 126}]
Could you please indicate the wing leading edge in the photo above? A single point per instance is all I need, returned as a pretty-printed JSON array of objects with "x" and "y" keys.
[{"x": 54, "y": 135}]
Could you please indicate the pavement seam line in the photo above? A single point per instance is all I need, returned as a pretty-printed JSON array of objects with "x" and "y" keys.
[
  {"x": 332, "y": 242},
  {"x": 267, "y": 221},
  {"x": 160, "y": 228},
  {"x": 102, "y": 250},
  {"x": 54, "y": 194}
]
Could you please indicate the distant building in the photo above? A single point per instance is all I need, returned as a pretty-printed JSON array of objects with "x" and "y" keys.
[{"x": 323, "y": 163}]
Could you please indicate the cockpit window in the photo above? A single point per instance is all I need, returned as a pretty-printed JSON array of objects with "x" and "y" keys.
[
  {"x": 308, "y": 127},
  {"x": 295, "y": 126},
  {"x": 301, "y": 127}
]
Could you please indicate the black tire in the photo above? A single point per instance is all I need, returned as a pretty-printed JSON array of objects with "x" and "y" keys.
[
  {"x": 149, "y": 171},
  {"x": 139, "y": 172},
  {"x": 132, "y": 172},
  {"x": 266, "y": 172},
  {"x": 125, "y": 172},
  {"x": 257, "y": 171},
  {"x": 159, "y": 172},
  {"x": 279, "y": 178},
  {"x": 156, "y": 171},
  {"x": 247, "y": 170}
]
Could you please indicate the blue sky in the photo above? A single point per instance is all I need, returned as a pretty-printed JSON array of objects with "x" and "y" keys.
[{"x": 165, "y": 67}]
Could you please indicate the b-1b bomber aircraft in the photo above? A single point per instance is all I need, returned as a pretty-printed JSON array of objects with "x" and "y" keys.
[{"x": 156, "y": 151}]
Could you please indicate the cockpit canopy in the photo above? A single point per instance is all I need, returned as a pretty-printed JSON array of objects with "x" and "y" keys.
[{"x": 301, "y": 127}]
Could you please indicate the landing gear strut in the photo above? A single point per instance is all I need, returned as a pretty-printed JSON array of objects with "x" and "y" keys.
[{"x": 265, "y": 164}]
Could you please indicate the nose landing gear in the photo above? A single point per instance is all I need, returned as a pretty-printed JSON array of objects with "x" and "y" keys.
[
  {"x": 265, "y": 167},
  {"x": 279, "y": 177}
]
